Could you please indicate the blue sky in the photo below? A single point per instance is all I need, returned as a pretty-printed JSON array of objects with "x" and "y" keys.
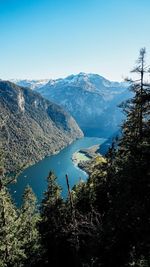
[{"x": 55, "y": 38}]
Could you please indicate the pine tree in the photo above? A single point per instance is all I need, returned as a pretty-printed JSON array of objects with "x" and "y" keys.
[
  {"x": 51, "y": 221},
  {"x": 58, "y": 233},
  {"x": 126, "y": 223},
  {"x": 134, "y": 149},
  {"x": 11, "y": 254},
  {"x": 136, "y": 128},
  {"x": 28, "y": 231}
]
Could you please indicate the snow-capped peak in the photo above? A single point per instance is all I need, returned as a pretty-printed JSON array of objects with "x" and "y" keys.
[{"x": 32, "y": 84}]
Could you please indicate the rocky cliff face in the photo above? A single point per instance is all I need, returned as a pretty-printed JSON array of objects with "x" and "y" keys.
[{"x": 31, "y": 127}]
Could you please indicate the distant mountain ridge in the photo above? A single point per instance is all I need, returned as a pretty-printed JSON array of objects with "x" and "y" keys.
[
  {"x": 90, "y": 80},
  {"x": 91, "y": 99},
  {"x": 31, "y": 127},
  {"x": 32, "y": 84}
]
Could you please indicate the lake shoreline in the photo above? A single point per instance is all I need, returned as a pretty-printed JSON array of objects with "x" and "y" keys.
[
  {"x": 33, "y": 162},
  {"x": 60, "y": 163},
  {"x": 85, "y": 155}
]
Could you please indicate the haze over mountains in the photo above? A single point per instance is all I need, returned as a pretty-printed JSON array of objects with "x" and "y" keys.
[
  {"x": 31, "y": 126},
  {"x": 90, "y": 98},
  {"x": 35, "y": 127}
]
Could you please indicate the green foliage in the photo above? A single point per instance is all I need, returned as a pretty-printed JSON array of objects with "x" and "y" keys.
[
  {"x": 68, "y": 234},
  {"x": 28, "y": 232},
  {"x": 11, "y": 253},
  {"x": 29, "y": 132},
  {"x": 50, "y": 227},
  {"x": 119, "y": 189},
  {"x": 108, "y": 221},
  {"x": 126, "y": 223}
]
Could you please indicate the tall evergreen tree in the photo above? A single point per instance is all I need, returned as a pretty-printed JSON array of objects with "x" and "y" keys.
[
  {"x": 11, "y": 253},
  {"x": 126, "y": 223},
  {"x": 28, "y": 231},
  {"x": 51, "y": 221}
]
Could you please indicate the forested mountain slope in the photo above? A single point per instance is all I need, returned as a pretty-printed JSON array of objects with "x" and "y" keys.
[{"x": 31, "y": 126}]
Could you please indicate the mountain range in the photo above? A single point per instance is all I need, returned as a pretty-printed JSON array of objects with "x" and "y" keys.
[
  {"x": 31, "y": 127},
  {"x": 90, "y": 98}
]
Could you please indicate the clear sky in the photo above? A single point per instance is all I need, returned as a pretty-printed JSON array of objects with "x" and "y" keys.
[{"x": 55, "y": 38}]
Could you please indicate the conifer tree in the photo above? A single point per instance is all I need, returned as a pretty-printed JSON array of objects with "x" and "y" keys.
[
  {"x": 126, "y": 223},
  {"x": 51, "y": 220},
  {"x": 11, "y": 253},
  {"x": 28, "y": 231},
  {"x": 136, "y": 127}
]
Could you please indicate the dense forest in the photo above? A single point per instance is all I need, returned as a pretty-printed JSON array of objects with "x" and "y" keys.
[{"x": 104, "y": 221}]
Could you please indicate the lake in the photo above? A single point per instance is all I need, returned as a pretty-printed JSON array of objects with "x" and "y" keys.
[{"x": 61, "y": 164}]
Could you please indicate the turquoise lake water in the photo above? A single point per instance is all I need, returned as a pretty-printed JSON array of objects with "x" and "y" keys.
[{"x": 61, "y": 164}]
